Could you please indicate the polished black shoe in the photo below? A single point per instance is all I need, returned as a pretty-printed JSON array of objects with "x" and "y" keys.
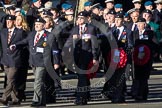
[
  {"x": 4, "y": 102},
  {"x": 37, "y": 104}
]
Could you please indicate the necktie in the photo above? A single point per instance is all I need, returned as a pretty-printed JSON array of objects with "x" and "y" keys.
[
  {"x": 81, "y": 30},
  {"x": 9, "y": 36},
  {"x": 117, "y": 33},
  {"x": 140, "y": 35},
  {"x": 135, "y": 27},
  {"x": 36, "y": 39}
]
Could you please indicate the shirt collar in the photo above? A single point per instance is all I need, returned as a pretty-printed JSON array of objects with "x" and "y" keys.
[
  {"x": 56, "y": 20},
  {"x": 143, "y": 31},
  {"x": 11, "y": 29},
  {"x": 120, "y": 28},
  {"x": 41, "y": 33},
  {"x": 49, "y": 30}
]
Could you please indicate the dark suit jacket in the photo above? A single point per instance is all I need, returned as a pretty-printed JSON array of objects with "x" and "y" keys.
[
  {"x": 143, "y": 72},
  {"x": 10, "y": 58},
  {"x": 86, "y": 50},
  {"x": 31, "y": 16},
  {"x": 36, "y": 58},
  {"x": 128, "y": 40},
  {"x": 147, "y": 33},
  {"x": 157, "y": 16}
]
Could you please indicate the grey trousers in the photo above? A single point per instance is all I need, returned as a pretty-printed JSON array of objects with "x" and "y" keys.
[
  {"x": 39, "y": 85},
  {"x": 11, "y": 89}
]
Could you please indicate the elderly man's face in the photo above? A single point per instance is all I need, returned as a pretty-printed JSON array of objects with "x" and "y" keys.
[
  {"x": 87, "y": 8},
  {"x": 81, "y": 20},
  {"x": 150, "y": 7},
  {"x": 137, "y": 5},
  {"x": 141, "y": 26},
  {"x": 118, "y": 22},
  {"x": 147, "y": 16},
  {"x": 110, "y": 17},
  {"x": 109, "y": 5},
  {"x": 134, "y": 16},
  {"x": 10, "y": 23},
  {"x": 39, "y": 26}
]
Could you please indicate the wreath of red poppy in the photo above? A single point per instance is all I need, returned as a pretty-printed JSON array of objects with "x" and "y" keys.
[
  {"x": 123, "y": 58},
  {"x": 145, "y": 59},
  {"x": 91, "y": 75}
]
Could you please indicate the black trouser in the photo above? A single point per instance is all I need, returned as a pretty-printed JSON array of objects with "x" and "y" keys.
[
  {"x": 140, "y": 88},
  {"x": 21, "y": 82},
  {"x": 50, "y": 89},
  {"x": 83, "y": 88}
]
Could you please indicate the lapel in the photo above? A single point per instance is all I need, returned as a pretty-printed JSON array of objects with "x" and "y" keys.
[
  {"x": 6, "y": 36},
  {"x": 33, "y": 37},
  {"x": 114, "y": 33},
  {"x": 86, "y": 29},
  {"x": 135, "y": 35},
  {"x": 123, "y": 34},
  {"x": 13, "y": 35},
  {"x": 76, "y": 30}
]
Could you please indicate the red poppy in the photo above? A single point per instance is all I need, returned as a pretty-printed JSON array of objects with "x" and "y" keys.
[
  {"x": 124, "y": 33},
  {"x": 44, "y": 35}
]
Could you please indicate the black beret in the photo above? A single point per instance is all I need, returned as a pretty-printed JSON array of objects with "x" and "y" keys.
[
  {"x": 141, "y": 20},
  {"x": 40, "y": 19},
  {"x": 82, "y": 14},
  {"x": 120, "y": 12},
  {"x": 119, "y": 15},
  {"x": 11, "y": 8},
  {"x": 111, "y": 12},
  {"x": 47, "y": 13},
  {"x": 97, "y": 5},
  {"x": 10, "y": 17},
  {"x": 147, "y": 11}
]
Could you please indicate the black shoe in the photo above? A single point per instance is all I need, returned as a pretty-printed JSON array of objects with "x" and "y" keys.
[
  {"x": 14, "y": 103},
  {"x": 80, "y": 102},
  {"x": 121, "y": 100},
  {"x": 84, "y": 102},
  {"x": 77, "y": 102},
  {"x": 4, "y": 102},
  {"x": 37, "y": 104},
  {"x": 140, "y": 98}
]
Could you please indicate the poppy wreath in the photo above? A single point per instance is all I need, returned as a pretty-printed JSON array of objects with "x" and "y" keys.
[
  {"x": 122, "y": 58},
  {"x": 146, "y": 57},
  {"x": 91, "y": 73}
]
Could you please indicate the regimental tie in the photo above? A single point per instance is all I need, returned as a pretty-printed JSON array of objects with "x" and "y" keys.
[
  {"x": 36, "y": 39},
  {"x": 9, "y": 36},
  {"x": 81, "y": 31}
]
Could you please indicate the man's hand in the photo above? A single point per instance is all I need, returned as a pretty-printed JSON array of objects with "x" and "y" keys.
[
  {"x": 75, "y": 36},
  {"x": 56, "y": 66},
  {"x": 12, "y": 47},
  {"x": 95, "y": 62}
]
